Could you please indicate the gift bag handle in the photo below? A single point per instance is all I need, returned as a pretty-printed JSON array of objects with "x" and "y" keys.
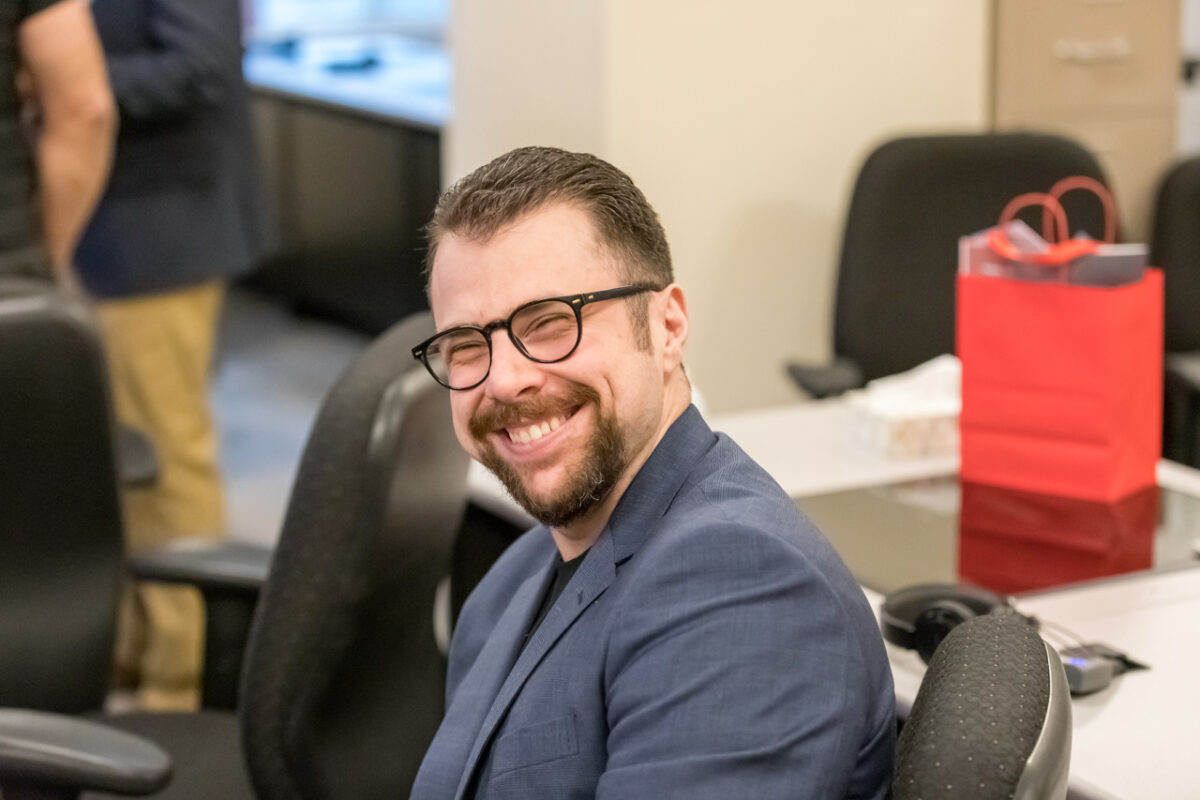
[
  {"x": 1095, "y": 187},
  {"x": 1062, "y": 249}
]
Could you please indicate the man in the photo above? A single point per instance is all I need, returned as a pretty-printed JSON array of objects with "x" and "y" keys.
[
  {"x": 57, "y": 124},
  {"x": 674, "y": 627},
  {"x": 182, "y": 213}
]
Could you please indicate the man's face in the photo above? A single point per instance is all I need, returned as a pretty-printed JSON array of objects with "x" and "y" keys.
[{"x": 560, "y": 436}]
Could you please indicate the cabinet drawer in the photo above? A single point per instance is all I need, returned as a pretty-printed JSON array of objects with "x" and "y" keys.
[{"x": 1084, "y": 57}]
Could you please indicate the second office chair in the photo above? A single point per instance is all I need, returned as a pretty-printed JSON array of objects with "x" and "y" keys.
[{"x": 913, "y": 198}]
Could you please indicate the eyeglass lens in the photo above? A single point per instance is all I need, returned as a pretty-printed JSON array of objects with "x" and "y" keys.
[{"x": 547, "y": 331}]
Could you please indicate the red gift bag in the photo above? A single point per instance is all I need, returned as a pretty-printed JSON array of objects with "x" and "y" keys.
[{"x": 1061, "y": 383}]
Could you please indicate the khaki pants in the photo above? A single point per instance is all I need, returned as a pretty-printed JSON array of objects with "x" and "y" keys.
[{"x": 160, "y": 351}]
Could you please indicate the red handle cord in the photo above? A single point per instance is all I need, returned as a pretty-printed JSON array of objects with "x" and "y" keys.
[
  {"x": 1099, "y": 190},
  {"x": 1062, "y": 248}
]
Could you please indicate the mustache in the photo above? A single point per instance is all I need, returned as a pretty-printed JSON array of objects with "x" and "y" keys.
[{"x": 502, "y": 415}]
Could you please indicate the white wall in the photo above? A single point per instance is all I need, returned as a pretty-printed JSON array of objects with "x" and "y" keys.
[
  {"x": 525, "y": 72},
  {"x": 743, "y": 123}
]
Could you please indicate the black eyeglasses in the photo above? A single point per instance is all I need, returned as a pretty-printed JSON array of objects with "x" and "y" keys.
[{"x": 544, "y": 331}]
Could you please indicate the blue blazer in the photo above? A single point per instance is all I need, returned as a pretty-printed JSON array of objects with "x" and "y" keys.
[
  {"x": 711, "y": 645},
  {"x": 184, "y": 204}
]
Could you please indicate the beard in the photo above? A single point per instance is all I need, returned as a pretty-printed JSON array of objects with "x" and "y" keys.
[{"x": 603, "y": 461}]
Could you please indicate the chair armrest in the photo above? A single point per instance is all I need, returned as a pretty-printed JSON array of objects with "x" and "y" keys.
[
  {"x": 207, "y": 565},
  {"x": 137, "y": 461},
  {"x": 1185, "y": 367},
  {"x": 826, "y": 380},
  {"x": 44, "y": 755},
  {"x": 230, "y": 575}
]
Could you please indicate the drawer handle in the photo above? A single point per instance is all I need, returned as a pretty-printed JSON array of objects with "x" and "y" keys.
[{"x": 1094, "y": 52}]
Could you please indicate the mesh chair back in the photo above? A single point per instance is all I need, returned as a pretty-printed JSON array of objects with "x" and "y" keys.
[
  {"x": 61, "y": 547},
  {"x": 913, "y": 199},
  {"x": 1175, "y": 246},
  {"x": 343, "y": 683},
  {"x": 992, "y": 718}
]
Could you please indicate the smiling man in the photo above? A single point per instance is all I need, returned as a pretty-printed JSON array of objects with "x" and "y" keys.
[{"x": 674, "y": 627}]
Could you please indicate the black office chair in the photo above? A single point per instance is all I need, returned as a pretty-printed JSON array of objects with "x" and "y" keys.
[
  {"x": 344, "y": 682},
  {"x": 913, "y": 199},
  {"x": 62, "y": 461},
  {"x": 61, "y": 540},
  {"x": 61, "y": 545},
  {"x": 1175, "y": 246},
  {"x": 992, "y": 718},
  {"x": 342, "y": 688}
]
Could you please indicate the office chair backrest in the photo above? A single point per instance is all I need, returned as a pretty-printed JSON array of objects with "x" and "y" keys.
[
  {"x": 913, "y": 199},
  {"x": 342, "y": 689},
  {"x": 1175, "y": 246},
  {"x": 992, "y": 718},
  {"x": 61, "y": 547}
]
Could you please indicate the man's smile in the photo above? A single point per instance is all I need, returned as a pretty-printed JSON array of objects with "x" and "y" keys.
[
  {"x": 530, "y": 433},
  {"x": 521, "y": 426},
  {"x": 539, "y": 439}
]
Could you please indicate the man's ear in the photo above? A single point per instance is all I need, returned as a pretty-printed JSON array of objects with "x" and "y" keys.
[{"x": 675, "y": 326}]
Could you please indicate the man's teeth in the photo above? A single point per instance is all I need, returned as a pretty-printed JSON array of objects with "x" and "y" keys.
[{"x": 535, "y": 431}]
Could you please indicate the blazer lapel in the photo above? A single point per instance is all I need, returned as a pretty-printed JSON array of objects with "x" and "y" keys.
[
  {"x": 594, "y": 576},
  {"x": 646, "y": 500}
]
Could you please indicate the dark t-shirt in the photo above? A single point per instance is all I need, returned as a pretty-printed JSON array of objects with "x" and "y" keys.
[
  {"x": 563, "y": 572},
  {"x": 19, "y": 233}
]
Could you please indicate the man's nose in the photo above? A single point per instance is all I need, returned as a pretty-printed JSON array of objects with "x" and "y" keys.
[{"x": 512, "y": 374}]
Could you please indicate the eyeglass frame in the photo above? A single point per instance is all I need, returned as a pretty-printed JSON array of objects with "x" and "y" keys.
[{"x": 575, "y": 301}]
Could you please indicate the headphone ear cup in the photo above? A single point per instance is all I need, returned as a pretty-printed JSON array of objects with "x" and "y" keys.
[{"x": 935, "y": 622}]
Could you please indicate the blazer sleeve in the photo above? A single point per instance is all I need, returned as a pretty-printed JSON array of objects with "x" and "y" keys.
[
  {"x": 194, "y": 51},
  {"x": 735, "y": 670}
]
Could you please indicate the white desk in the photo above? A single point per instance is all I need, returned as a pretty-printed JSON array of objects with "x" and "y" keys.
[
  {"x": 1138, "y": 738},
  {"x": 807, "y": 447}
]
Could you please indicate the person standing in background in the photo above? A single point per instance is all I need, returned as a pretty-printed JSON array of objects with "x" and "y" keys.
[
  {"x": 57, "y": 125},
  {"x": 183, "y": 213}
]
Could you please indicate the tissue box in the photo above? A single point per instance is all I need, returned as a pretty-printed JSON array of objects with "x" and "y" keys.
[{"x": 910, "y": 415}]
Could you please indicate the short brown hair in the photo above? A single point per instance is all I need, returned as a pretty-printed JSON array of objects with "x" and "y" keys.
[{"x": 525, "y": 179}]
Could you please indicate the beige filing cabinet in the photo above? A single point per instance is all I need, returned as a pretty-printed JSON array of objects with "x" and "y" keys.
[{"x": 1104, "y": 72}]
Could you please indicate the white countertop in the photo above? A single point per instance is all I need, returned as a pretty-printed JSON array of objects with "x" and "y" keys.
[{"x": 409, "y": 82}]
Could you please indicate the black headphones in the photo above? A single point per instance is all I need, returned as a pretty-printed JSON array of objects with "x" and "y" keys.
[{"x": 919, "y": 617}]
